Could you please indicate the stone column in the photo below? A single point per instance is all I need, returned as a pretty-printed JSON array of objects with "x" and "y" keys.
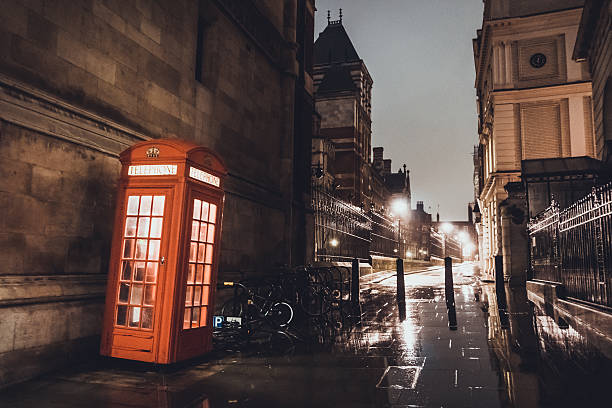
[{"x": 514, "y": 235}]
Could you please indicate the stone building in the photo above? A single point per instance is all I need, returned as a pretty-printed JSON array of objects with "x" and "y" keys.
[
  {"x": 594, "y": 45},
  {"x": 80, "y": 81},
  {"x": 534, "y": 111},
  {"x": 343, "y": 90}
]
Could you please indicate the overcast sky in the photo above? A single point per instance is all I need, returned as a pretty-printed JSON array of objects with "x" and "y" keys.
[{"x": 419, "y": 54}]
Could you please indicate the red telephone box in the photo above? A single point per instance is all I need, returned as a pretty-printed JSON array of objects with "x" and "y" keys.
[{"x": 165, "y": 252}]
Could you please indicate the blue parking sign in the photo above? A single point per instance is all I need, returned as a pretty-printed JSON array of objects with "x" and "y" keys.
[{"x": 218, "y": 322}]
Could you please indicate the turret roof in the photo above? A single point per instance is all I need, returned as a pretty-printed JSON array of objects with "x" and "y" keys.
[{"x": 334, "y": 45}]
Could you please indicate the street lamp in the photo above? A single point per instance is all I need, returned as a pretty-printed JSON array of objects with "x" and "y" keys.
[{"x": 399, "y": 208}]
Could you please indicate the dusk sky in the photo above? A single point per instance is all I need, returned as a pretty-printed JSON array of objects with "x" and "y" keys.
[{"x": 419, "y": 54}]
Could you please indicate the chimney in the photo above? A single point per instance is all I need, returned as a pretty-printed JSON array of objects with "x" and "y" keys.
[
  {"x": 420, "y": 206},
  {"x": 386, "y": 166},
  {"x": 378, "y": 159}
]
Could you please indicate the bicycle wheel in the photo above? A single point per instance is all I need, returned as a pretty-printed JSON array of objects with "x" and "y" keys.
[{"x": 280, "y": 314}]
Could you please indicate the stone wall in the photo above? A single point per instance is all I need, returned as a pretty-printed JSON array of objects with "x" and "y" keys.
[{"x": 82, "y": 80}]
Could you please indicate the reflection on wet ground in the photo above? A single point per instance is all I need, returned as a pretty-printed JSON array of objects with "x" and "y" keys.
[{"x": 476, "y": 354}]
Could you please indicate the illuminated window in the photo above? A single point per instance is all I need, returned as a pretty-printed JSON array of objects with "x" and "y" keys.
[
  {"x": 140, "y": 261},
  {"x": 201, "y": 246}
]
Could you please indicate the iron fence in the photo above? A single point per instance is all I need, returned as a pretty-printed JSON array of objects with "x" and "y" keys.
[
  {"x": 573, "y": 247},
  {"x": 342, "y": 230},
  {"x": 384, "y": 236}
]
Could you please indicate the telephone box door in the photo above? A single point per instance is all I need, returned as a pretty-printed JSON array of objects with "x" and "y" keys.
[
  {"x": 141, "y": 264},
  {"x": 200, "y": 268}
]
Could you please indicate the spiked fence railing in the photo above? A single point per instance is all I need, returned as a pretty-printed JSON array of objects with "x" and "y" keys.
[{"x": 573, "y": 247}]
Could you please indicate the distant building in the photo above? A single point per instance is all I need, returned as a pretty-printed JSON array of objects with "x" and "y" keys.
[
  {"x": 343, "y": 91},
  {"x": 535, "y": 115}
]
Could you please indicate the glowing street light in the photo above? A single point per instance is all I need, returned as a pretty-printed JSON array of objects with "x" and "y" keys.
[
  {"x": 447, "y": 227},
  {"x": 333, "y": 242},
  {"x": 399, "y": 206},
  {"x": 408, "y": 254}
]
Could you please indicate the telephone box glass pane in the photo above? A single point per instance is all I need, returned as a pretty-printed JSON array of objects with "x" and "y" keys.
[
  {"x": 139, "y": 271},
  {"x": 193, "y": 252},
  {"x": 149, "y": 298},
  {"x": 200, "y": 273},
  {"x": 202, "y": 232},
  {"x": 145, "y": 205},
  {"x": 158, "y": 205},
  {"x": 211, "y": 233},
  {"x": 212, "y": 218},
  {"x": 126, "y": 270},
  {"x": 197, "y": 206},
  {"x": 132, "y": 291},
  {"x": 124, "y": 291},
  {"x": 187, "y": 319},
  {"x": 196, "y": 295},
  {"x": 195, "y": 318},
  {"x": 151, "y": 276},
  {"x": 147, "y": 318},
  {"x": 191, "y": 273},
  {"x": 195, "y": 228},
  {"x": 156, "y": 227},
  {"x": 205, "y": 209},
  {"x": 154, "y": 249},
  {"x": 207, "y": 270},
  {"x": 134, "y": 317},
  {"x": 205, "y": 295},
  {"x": 132, "y": 207},
  {"x": 201, "y": 249},
  {"x": 121, "y": 315},
  {"x": 128, "y": 248},
  {"x": 189, "y": 296},
  {"x": 130, "y": 226},
  {"x": 141, "y": 249},
  {"x": 143, "y": 227},
  {"x": 136, "y": 297},
  {"x": 209, "y": 253}
]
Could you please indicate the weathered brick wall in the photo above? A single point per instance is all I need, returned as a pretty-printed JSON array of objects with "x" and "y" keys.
[{"x": 80, "y": 80}]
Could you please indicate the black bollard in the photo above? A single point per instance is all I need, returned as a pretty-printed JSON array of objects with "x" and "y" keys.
[
  {"x": 355, "y": 286},
  {"x": 448, "y": 282},
  {"x": 500, "y": 291},
  {"x": 452, "y": 318},
  {"x": 401, "y": 289}
]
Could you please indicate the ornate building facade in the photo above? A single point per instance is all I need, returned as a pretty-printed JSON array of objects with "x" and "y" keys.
[
  {"x": 534, "y": 105},
  {"x": 343, "y": 89}
]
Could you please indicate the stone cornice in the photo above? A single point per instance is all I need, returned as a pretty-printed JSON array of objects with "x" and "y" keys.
[
  {"x": 18, "y": 290},
  {"x": 539, "y": 93},
  {"x": 30, "y": 108}
]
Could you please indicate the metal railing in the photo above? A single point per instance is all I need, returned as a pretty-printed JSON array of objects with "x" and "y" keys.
[
  {"x": 573, "y": 247},
  {"x": 384, "y": 236},
  {"x": 342, "y": 230}
]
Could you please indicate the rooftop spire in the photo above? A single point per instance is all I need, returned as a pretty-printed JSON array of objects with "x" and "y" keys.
[
  {"x": 340, "y": 16},
  {"x": 328, "y": 16}
]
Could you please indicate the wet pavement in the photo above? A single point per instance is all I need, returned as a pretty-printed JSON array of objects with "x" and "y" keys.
[{"x": 501, "y": 353}]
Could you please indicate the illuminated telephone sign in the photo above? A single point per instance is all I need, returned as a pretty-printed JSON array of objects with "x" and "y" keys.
[{"x": 165, "y": 252}]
